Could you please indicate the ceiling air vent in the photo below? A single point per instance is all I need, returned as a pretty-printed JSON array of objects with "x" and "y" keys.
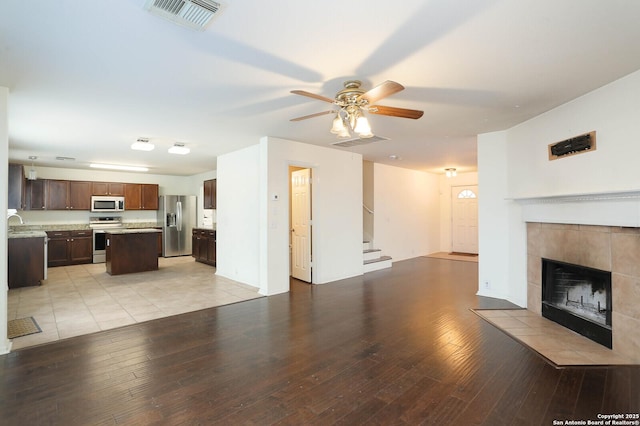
[
  {"x": 358, "y": 141},
  {"x": 194, "y": 14}
]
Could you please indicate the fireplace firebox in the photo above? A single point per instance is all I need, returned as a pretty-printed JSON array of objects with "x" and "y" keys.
[{"x": 578, "y": 298}]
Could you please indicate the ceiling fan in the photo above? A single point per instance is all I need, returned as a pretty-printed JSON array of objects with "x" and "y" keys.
[{"x": 353, "y": 101}]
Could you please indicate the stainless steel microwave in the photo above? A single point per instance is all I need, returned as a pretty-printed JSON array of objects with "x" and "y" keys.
[{"x": 105, "y": 203}]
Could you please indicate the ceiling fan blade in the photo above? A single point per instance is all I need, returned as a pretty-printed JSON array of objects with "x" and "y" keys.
[
  {"x": 382, "y": 90},
  {"x": 312, "y": 95},
  {"x": 396, "y": 112},
  {"x": 317, "y": 114}
]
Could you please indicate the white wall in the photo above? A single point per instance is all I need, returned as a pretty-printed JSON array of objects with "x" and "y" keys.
[
  {"x": 613, "y": 111},
  {"x": 253, "y": 226},
  {"x": 238, "y": 236},
  {"x": 336, "y": 209},
  {"x": 196, "y": 182},
  {"x": 406, "y": 212},
  {"x": 5, "y": 344},
  {"x": 515, "y": 164},
  {"x": 493, "y": 216},
  {"x": 462, "y": 179}
]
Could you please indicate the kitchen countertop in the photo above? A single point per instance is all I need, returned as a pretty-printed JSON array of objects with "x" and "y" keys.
[
  {"x": 74, "y": 226},
  {"x": 132, "y": 231},
  {"x": 26, "y": 234}
]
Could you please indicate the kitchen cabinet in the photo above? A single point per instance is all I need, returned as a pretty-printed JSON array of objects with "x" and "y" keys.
[
  {"x": 140, "y": 196},
  {"x": 58, "y": 248},
  {"x": 203, "y": 245},
  {"x": 57, "y": 195},
  {"x": 70, "y": 247},
  {"x": 81, "y": 247},
  {"x": 132, "y": 196},
  {"x": 16, "y": 187},
  {"x": 131, "y": 250},
  {"x": 35, "y": 194},
  {"x": 159, "y": 242},
  {"x": 210, "y": 189},
  {"x": 68, "y": 195},
  {"x": 25, "y": 261},
  {"x": 211, "y": 248},
  {"x": 107, "y": 188},
  {"x": 149, "y": 196},
  {"x": 79, "y": 195}
]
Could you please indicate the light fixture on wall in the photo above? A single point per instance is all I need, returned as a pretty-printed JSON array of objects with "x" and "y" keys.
[
  {"x": 33, "y": 175},
  {"x": 179, "y": 148},
  {"x": 142, "y": 144},
  {"x": 450, "y": 172},
  {"x": 118, "y": 167}
]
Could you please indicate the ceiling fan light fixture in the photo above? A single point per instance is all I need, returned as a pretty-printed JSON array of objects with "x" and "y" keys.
[
  {"x": 363, "y": 129},
  {"x": 338, "y": 125},
  {"x": 353, "y": 101},
  {"x": 344, "y": 133}
]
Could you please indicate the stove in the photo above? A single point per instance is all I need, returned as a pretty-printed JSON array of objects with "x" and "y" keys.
[{"x": 99, "y": 224}]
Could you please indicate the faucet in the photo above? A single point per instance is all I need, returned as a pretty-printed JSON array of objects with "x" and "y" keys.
[{"x": 11, "y": 213}]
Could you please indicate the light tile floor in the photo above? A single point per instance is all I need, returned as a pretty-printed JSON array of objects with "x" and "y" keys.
[
  {"x": 558, "y": 344},
  {"x": 83, "y": 299}
]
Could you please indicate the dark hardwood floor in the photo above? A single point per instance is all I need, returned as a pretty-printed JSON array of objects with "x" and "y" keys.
[{"x": 398, "y": 346}]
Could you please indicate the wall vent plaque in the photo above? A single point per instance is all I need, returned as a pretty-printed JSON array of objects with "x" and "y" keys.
[{"x": 572, "y": 146}]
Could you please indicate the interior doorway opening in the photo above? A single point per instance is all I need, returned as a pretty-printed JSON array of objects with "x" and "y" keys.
[{"x": 300, "y": 224}]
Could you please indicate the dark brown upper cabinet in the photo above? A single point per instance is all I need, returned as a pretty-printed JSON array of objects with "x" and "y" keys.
[{"x": 209, "y": 194}]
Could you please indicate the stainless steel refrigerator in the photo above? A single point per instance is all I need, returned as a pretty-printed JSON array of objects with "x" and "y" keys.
[{"x": 177, "y": 216}]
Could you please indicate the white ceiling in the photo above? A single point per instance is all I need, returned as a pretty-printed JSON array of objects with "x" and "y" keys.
[{"x": 87, "y": 78}]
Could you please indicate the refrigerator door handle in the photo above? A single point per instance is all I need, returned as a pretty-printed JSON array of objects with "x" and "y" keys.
[{"x": 179, "y": 215}]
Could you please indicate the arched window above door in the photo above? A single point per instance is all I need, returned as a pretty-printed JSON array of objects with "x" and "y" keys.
[{"x": 466, "y": 193}]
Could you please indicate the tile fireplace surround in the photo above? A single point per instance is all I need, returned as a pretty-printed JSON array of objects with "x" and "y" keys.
[{"x": 610, "y": 248}]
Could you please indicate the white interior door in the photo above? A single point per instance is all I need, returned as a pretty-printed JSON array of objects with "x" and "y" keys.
[
  {"x": 300, "y": 224},
  {"x": 464, "y": 219}
]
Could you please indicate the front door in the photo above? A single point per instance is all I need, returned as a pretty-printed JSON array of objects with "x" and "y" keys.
[
  {"x": 464, "y": 219},
  {"x": 300, "y": 224}
]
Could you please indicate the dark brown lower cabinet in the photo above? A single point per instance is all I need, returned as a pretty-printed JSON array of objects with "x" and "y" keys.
[
  {"x": 203, "y": 246},
  {"x": 25, "y": 261},
  {"x": 70, "y": 247}
]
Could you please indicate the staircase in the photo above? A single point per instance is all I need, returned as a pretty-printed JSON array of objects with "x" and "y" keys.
[{"x": 373, "y": 259}]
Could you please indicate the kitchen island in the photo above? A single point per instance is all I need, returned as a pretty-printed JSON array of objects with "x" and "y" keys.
[{"x": 131, "y": 250}]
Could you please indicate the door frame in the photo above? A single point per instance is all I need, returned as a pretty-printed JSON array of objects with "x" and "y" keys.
[
  {"x": 453, "y": 200},
  {"x": 291, "y": 167}
]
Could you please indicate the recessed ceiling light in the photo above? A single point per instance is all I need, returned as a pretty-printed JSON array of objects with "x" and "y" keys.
[
  {"x": 118, "y": 167},
  {"x": 142, "y": 144},
  {"x": 179, "y": 148},
  {"x": 394, "y": 157}
]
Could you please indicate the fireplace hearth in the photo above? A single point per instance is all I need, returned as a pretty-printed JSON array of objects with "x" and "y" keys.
[{"x": 579, "y": 298}]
